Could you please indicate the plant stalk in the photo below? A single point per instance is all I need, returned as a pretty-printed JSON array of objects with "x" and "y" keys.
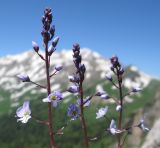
[
  {"x": 52, "y": 142},
  {"x": 83, "y": 123},
  {"x": 121, "y": 111}
]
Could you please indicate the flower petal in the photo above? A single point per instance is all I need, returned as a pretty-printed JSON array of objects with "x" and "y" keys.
[{"x": 46, "y": 100}]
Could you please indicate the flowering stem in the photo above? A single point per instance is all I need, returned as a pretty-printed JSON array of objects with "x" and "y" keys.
[
  {"x": 52, "y": 143},
  {"x": 53, "y": 74},
  {"x": 114, "y": 85},
  {"x": 125, "y": 137},
  {"x": 40, "y": 121},
  {"x": 121, "y": 111},
  {"x": 84, "y": 102},
  {"x": 83, "y": 123},
  {"x": 38, "y": 84},
  {"x": 41, "y": 56}
]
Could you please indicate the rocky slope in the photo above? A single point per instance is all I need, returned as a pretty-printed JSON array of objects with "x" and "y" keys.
[{"x": 30, "y": 64}]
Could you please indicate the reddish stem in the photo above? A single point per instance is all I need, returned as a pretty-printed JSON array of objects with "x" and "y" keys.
[
  {"x": 52, "y": 142},
  {"x": 83, "y": 123},
  {"x": 121, "y": 111}
]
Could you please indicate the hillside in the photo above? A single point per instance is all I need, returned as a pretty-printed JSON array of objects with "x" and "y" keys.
[{"x": 13, "y": 93}]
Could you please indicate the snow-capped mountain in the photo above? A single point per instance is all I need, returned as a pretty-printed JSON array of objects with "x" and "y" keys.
[{"x": 30, "y": 64}]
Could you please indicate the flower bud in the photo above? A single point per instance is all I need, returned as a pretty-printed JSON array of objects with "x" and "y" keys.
[
  {"x": 137, "y": 89},
  {"x": 35, "y": 46},
  {"x": 24, "y": 78},
  {"x": 43, "y": 19},
  {"x": 118, "y": 108},
  {"x": 55, "y": 41},
  {"x": 52, "y": 30},
  {"x": 102, "y": 94},
  {"x": 105, "y": 96},
  {"x": 73, "y": 89},
  {"x": 112, "y": 68},
  {"x": 82, "y": 68},
  {"x": 58, "y": 67},
  {"x": 99, "y": 93},
  {"x": 109, "y": 77},
  {"x": 114, "y": 60},
  {"x": 121, "y": 71},
  {"x": 51, "y": 49},
  {"x": 76, "y": 47},
  {"x": 74, "y": 78}
]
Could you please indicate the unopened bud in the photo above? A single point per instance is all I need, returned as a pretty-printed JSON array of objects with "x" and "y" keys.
[
  {"x": 51, "y": 49},
  {"x": 76, "y": 47},
  {"x": 73, "y": 89},
  {"x": 58, "y": 67},
  {"x": 82, "y": 68},
  {"x": 24, "y": 78},
  {"x": 137, "y": 89},
  {"x": 118, "y": 108},
  {"x": 121, "y": 71},
  {"x": 55, "y": 41},
  {"x": 52, "y": 30},
  {"x": 109, "y": 77},
  {"x": 35, "y": 46}
]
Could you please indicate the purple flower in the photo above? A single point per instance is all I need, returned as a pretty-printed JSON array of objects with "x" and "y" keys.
[
  {"x": 73, "y": 89},
  {"x": 35, "y": 46},
  {"x": 101, "y": 112},
  {"x": 54, "y": 98},
  {"x": 58, "y": 67},
  {"x": 113, "y": 128},
  {"x": 24, "y": 112},
  {"x": 142, "y": 126},
  {"x": 73, "y": 111},
  {"x": 24, "y": 78}
]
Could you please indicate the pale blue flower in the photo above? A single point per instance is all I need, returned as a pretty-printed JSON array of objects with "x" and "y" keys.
[
  {"x": 113, "y": 128},
  {"x": 73, "y": 111},
  {"x": 54, "y": 98},
  {"x": 24, "y": 112},
  {"x": 101, "y": 112}
]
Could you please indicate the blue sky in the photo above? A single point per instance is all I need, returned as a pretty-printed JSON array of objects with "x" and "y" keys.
[{"x": 127, "y": 28}]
